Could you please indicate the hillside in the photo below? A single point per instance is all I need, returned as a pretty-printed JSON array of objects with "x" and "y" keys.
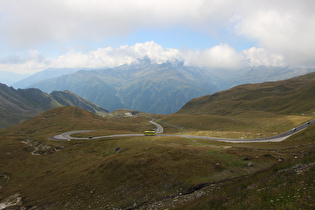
[
  {"x": 21, "y": 104},
  {"x": 67, "y": 98},
  {"x": 148, "y": 172},
  {"x": 153, "y": 88},
  {"x": 292, "y": 96}
]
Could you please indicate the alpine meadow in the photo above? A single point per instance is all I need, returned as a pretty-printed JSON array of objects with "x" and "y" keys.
[{"x": 157, "y": 104}]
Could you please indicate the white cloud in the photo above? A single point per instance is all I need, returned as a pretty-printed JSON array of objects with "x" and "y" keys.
[
  {"x": 220, "y": 56},
  {"x": 32, "y": 62},
  {"x": 102, "y": 57},
  {"x": 110, "y": 57},
  {"x": 282, "y": 27},
  {"x": 285, "y": 27},
  {"x": 261, "y": 57},
  {"x": 33, "y": 22},
  {"x": 156, "y": 52}
]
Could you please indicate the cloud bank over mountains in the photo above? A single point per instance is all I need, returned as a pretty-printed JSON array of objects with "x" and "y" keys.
[
  {"x": 282, "y": 31},
  {"x": 220, "y": 56}
]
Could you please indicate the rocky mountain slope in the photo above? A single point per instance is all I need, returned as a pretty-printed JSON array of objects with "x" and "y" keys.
[
  {"x": 153, "y": 88},
  {"x": 18, "y": 105}
]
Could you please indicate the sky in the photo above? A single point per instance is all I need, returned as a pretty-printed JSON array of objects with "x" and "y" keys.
[{"x": 230, "y": 34}]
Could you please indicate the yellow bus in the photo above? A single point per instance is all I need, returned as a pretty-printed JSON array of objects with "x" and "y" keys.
[{"x": 149, "y": 133}]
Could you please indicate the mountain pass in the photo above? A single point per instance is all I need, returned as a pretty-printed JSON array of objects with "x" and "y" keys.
[{"x": 160, "y": 130}]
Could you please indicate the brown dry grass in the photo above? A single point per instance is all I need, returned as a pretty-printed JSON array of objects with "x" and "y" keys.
[{"x": 90, "y": 173}]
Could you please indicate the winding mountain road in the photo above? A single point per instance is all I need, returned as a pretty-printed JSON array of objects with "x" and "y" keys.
[{"x": 159, "y": 131}]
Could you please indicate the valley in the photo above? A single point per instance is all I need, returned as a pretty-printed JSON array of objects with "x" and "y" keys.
[
  {"x": 147, "y": 171},
  {"x": 189, "y": 164},
  {"x": 157, "y": 105}
]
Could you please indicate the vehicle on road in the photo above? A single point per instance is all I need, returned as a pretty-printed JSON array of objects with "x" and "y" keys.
[{"x": 150, "y": 133}]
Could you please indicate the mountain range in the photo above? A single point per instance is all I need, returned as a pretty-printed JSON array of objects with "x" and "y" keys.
[
  {"x": 96, "y": 173},
  {"x": 163, "y": 171},
  {"x": 150, "y": 87},
  {"x": 43, "y": 75},
  {"x": 18, "y": 105}
]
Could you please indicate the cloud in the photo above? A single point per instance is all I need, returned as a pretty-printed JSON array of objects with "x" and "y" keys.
[
  {"x": 31, "y": 55},
  {"x": 100, "y": 58},
  {"x": 281, "y": 27},
  {"x": 33, "y": 22},
  {"x": 110, "y": 57},
  {"x": 261, "y": 57},
  {"x": 285, "y": 27},
  {"x": 220, "y": 56},
  {"x": 31, "y": 63}
]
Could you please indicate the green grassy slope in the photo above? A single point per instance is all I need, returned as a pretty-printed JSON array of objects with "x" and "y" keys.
[
  {"x": 247, "y": 111},
  {"x": 247, "y": 125},
  {"x": 292, "y": 96}
]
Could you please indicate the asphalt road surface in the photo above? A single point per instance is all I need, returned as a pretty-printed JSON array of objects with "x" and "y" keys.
[
  {"x": 159, "y": 128},
  {"x": 159, "y": 131}
]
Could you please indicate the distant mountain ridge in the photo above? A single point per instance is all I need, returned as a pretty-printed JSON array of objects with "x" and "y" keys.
[
  {"x": 157, "y": 88},
  {"x": 10, "y": 78},
  {"x": 153, "y": 88},
  {"x": 22, "y": 104},
  {"x": 43, "y": 75},
  {"x": 291, "y": 96}
]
